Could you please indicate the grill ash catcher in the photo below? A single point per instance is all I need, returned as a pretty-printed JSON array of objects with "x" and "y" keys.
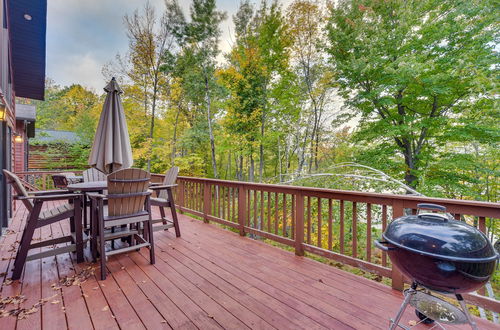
[{"x": 441, "y": 254}]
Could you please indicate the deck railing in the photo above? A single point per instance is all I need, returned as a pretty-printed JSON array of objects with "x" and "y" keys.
[
  {"x": 41, "y": 180},
  {"x": 334, "y": 224}
]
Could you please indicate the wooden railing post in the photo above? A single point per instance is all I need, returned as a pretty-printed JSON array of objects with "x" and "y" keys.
[
  {"x": 299, "y": 226},
  {"x": 207, "y": 201},
  {"x": 242, "y": 209},
  {"x": 396, "y": 276}
]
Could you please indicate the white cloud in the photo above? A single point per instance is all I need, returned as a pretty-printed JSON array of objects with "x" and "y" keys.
[{"x": 84, "y": 35}]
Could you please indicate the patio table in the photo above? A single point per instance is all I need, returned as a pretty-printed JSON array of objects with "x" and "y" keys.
[
  {"x": 92, "y": 186},
  {"x": 86, "y": 187}
]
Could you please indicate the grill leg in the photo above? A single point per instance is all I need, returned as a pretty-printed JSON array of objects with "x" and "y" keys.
[
  {"x": 409, "y": 293},
  {"x": 471, "y": 321}
]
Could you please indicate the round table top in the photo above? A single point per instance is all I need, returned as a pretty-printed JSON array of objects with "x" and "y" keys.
[{"x": 88, "y": 186}]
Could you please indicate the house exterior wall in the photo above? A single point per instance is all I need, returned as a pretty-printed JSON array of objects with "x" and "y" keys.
[
  {"x": 6, "y": 126},
  {"x": 20, "y": 148}
]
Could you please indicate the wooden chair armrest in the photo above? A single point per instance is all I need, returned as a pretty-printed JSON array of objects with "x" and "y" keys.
[
  {"x": 162, "y": 187},
  {"x": 48, "y": 192},
  {"x": 50, "y": 197},
  {"x": 95, "y": 195},
  {"x": 143, "y": 193}
]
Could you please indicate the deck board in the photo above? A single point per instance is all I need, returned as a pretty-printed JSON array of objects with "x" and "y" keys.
[{"x": 209, "y": 278}]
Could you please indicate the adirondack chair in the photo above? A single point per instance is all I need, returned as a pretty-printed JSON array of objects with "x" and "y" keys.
[
  {"x": 127, "y": 209},
  {"x": 60, "y": 181},
  {"x": 93, "y": 174},
  {"x": 37, "y": 218},
  {"x": 165, "y": 199}
]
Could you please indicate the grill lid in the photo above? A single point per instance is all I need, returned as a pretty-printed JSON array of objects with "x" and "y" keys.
[{"x": 437, "y": 235}]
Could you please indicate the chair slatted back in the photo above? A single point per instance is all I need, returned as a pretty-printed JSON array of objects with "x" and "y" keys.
[
  {"x": 170, "y": 178},
  {"x": 93, "y": 174},
  {"x": 127, "y": 182},
  {"x": 19, "y": 188},
  {"x": 60, "y": 180}
]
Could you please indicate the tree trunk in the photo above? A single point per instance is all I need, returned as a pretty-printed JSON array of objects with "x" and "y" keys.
[
  {"x": 251, "y": 169},
  {"x": 174, "y": 138},
  {"x": 151, "y": 131},
  {"x": 261, "y": 148},
  {"x": 210, "y": 131}
]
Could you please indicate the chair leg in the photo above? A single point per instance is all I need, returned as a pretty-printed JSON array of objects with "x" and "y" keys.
[
  {"x": 149, "y": 225},
  {"x": 174, "y": 212},
  {"x": 78, "y": 230},
  {"x": 93, "y": 228},
  {"x": 163, "y": 218},
  {"x": 85, "y": 204},
  {"x": 102, "y": 247},
  {"x": 24, "y": 246}
]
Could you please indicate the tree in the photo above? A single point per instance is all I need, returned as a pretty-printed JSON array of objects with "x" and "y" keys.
[
  {"x": 257, "y": 64},
  {"x": 196, "y": 63},
  {"x": 306, "y": 24},
  {"x": 410, "y": 69},
  {"x": 148, "y": 44}
]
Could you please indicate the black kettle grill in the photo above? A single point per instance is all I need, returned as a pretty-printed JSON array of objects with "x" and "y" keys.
[{"x": 439, "y": 253}]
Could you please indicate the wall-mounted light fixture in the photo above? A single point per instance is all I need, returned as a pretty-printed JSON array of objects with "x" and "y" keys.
[
  {"x": 3, "y": 112},
  {"x": 18, "y": 138}
]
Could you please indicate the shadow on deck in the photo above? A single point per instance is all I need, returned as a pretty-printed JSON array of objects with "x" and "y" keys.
[{"x": 208, "y": 278}]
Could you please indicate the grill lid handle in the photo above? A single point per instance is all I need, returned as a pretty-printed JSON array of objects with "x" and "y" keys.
[{"x": 434, "y": 207}]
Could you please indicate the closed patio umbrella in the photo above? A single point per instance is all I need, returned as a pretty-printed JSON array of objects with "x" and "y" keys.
[{"x": 111, "y": 150}]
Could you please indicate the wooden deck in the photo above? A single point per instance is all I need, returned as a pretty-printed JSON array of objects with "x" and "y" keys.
[{"x": 209, "y": 278}]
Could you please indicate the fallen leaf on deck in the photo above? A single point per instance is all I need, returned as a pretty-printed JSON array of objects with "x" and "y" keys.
[
  {"x": 412, "y": 323},
  {"x": 85, "y": 295},
  {"x": 320, "y": 281},
  {"x": 8, "y": 281},
  {"x": 123, "y": 268},
  {"x": 95, "y": 288},
  {"x": 105, "y": 308},
  {"x": 163, "y": 321},
  {"x": 55, "y": 302}
]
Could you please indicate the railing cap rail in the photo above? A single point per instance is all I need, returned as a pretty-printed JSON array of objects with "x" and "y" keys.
[{"x": 387, "y": 196}]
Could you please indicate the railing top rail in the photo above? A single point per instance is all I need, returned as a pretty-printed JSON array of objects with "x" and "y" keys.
[
  {"x": 47, "y": 172},
  {"x": 382, "y": 198}
]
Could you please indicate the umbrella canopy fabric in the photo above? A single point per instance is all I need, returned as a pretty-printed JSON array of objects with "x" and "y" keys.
[{"x": 111, "y": 150}]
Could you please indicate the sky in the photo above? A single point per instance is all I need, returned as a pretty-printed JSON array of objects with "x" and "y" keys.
[{"x": 84, "y": 35}]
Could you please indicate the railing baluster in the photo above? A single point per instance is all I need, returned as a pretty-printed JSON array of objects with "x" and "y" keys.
[
  {"x": 482, "y": 224},
  {"x": 255, "y": 199},
  {"x": 233, "y": 189},
  {"x": 354, "y": 229},
  {"x": 249, "y": 206},
  {"x": 369, "y": 232},
  {"x": 276, "y": 213},
  {"x": 341, "y": 230},
  {"x": 261, "y": 220},
  {"x": 319, "y": 243},
  {"x": 384, "y": 225},
  {"x": 299, "y": 235},
  {"x": 284, "y": 216},
  {"x": 206, "y": 201},
  {"x": 292, "y": 230},
  {"x": 330, "y": 224},
  {"x": 242, "y": 209},
  {"x": 308, "y": 219},
  {"x": 269, "y": 211}
]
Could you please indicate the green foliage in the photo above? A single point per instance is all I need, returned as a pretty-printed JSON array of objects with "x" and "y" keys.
[{"x": 412, "y": 69}]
